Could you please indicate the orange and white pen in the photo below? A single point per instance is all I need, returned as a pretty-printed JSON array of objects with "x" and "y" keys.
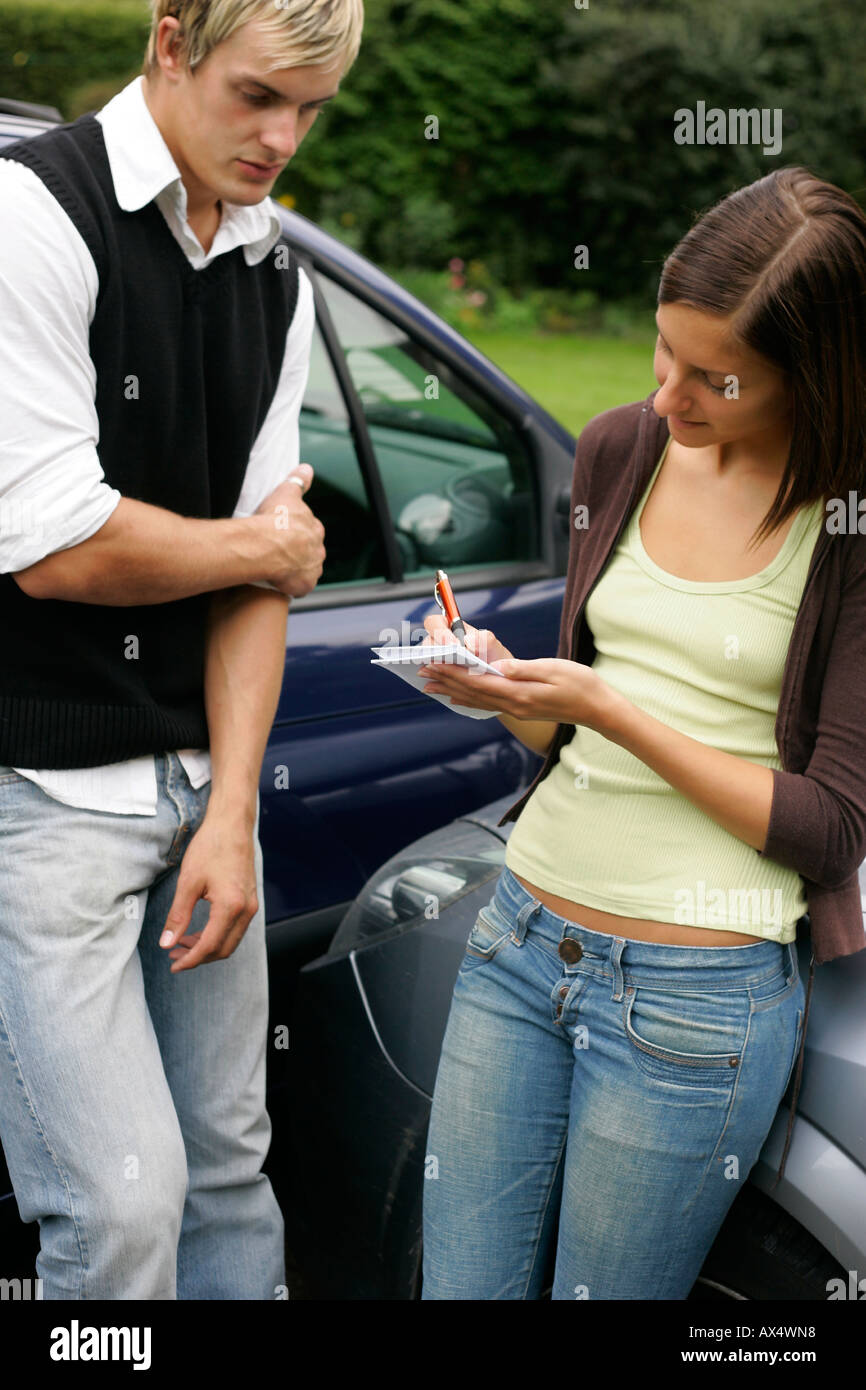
[{"x": 444, "y": 596}]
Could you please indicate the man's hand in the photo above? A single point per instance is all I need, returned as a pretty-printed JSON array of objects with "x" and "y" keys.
[
  {"x": 219, "y": 865},
  {"x": 299, "y": 552}
]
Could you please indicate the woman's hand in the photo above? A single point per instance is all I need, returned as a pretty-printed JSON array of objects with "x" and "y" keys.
[
  {"x": 480, "y": 641},
  {"x": 565, "y": 692}
]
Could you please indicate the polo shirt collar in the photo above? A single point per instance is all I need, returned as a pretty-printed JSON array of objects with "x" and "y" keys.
[{"x": 143, "y": 171}]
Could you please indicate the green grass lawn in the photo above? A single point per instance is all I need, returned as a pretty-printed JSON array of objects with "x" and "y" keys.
[{"x": 572, "y": 376}]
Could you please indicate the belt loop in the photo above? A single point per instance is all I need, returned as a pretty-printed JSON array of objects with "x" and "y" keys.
[
  {"x": 522, "y": 925},
  {"x": 616, "y": 949}
]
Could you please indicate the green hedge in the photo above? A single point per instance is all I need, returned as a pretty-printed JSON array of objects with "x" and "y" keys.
[
  {"x": 555, "y": 124},
  {"x": 50, "y": 50}
]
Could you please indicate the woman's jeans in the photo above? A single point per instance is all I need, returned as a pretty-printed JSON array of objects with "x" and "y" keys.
[
  {"x": 599, "y": 1104},
  {"x": 132, "y": 1100}
]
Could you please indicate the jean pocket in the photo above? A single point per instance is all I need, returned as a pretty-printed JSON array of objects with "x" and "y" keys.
[
  {"x": 770, "y": 996},
  {"x": 489, "y": 934},
  {"x": 690, "y": 1039}
]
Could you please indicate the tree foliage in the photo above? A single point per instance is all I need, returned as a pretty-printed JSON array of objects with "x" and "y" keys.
[{"x": 555, "y": 124}]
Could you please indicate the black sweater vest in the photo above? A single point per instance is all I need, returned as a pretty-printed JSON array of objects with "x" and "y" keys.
[{"x": 187, "y": 364}]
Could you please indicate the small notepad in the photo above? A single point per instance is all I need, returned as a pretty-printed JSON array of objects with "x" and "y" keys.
[{"x": 406, "y": 661}]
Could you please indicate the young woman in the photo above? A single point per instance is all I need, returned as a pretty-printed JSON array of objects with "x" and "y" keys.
[{"x": 629, "y": 1009}]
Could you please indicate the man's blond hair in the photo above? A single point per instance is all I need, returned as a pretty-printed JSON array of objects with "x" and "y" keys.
[{"x": 299, "y": 32}]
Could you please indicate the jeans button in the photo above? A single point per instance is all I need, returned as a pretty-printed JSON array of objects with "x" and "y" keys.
[
  {"x": 563, "y": 992},
  {"x": 570, "y": 950}
]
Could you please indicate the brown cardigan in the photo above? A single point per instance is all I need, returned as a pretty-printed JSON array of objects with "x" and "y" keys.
[{"x": 818, "y": 813}]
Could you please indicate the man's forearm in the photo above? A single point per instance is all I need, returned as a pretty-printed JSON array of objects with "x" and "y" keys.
[
  {"x": 244, "y": 662},
  {"x": 145, "y": 554}
]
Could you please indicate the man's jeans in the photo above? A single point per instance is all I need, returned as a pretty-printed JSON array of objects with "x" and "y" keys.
[
  {"x": 622, "y": 1087},
  {"x": 132, "y": 1101}
]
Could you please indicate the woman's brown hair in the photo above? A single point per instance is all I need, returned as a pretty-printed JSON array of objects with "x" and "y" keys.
[{"x": 785, "y": 259}]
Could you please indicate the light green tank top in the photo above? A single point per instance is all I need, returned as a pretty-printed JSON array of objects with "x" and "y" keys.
[{"x": 704, "y": 658}]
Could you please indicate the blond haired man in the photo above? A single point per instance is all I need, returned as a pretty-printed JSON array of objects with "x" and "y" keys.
[{"x": 156, "y": 351}]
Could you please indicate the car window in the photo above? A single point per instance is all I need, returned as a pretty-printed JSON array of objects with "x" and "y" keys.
[
  {"x": 338, "y": 495},
  {"x": 456, "y": 473}
]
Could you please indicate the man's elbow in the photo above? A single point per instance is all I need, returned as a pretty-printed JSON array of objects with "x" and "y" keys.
[
  {"x": 42, "y": 580},
  {"x": 30, "y": 582}
]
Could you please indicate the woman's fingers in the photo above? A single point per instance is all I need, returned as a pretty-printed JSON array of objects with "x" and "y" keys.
[
  {"x": 438, "y": 629},
  {"x": 489, "y": 648},
  {"x": 440, "y": 632},
  {"x": 480, "y": 641}
]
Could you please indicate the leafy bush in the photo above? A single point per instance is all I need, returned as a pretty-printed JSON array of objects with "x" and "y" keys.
[
  {"x": 468, "y": 298},
  {"x": 92, "y": 96},
  {"x": 51, "y": 47},
  {"x": 555, "y": 127}
]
